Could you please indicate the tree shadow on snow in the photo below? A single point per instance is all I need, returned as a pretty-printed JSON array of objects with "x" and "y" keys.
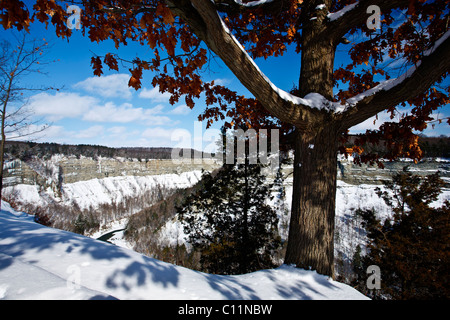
[
  {"x": 19, "y": 237},
  {"x": 25, "y": 239},
  {"x": 231, "y": 288},
  {"x": 139, "y": 273}
]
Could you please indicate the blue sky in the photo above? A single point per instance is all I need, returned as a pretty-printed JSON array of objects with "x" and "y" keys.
[{"x": 105, "y": 111}]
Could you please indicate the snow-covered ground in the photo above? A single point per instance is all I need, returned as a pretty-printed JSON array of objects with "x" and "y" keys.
[
  {"x": 349, "y": 198},
  {"x": 38, "y": 262}
]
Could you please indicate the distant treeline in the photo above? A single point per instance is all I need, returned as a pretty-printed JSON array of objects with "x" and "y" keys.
[
  {"x": 25, "y": 150},
  {"x": 435, "y": 146},
  {"x": 432, "y": 147}
]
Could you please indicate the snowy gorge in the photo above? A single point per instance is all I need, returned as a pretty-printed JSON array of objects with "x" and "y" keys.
[
  {"x": 38, "y": 262},
  {"x": 71, "y": 266}
]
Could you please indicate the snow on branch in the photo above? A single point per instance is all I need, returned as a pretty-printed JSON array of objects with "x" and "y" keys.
[
  {"x": 312, "y": 100},
  {"x": 391, "y": 83},
  {"x": 338, "y": 14},
  {"x": 390, "y": 93},
  {"x": 437, "y": 44},
  {"x": 252, "y": 3}
]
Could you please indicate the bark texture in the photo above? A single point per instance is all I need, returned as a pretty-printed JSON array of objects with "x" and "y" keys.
[{"x": 311, "y": 230}]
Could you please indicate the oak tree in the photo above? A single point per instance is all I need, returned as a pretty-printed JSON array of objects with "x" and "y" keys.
[{"x": 405, "y": 62}]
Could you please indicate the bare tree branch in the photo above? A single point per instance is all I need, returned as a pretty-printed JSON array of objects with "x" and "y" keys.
[{"x": 17, "y": 61}]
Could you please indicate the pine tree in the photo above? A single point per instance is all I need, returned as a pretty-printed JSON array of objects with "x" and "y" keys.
[
  {"x": 229, "y": 222},
  {"x": 412, "y": 248}
]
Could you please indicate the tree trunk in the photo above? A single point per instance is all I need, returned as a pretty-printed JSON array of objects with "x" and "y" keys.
[
  {"x": 3, "y": 137},
  {"x": 311, "y": 231},
  {"x": 2, "y": 160}
]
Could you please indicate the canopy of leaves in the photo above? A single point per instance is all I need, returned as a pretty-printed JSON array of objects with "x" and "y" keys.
[{"x": 410, "y": 29}]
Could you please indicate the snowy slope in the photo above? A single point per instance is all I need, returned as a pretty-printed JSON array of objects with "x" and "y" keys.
[
  {"x": 95, "y": 192},
  {"x": 37, "y": 262}
]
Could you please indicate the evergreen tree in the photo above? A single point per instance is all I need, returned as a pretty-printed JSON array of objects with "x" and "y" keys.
[
  {"x": 357, "y": 263},
  {"x": 229, "y": 222},
  {"x": 412, "y": 248}
]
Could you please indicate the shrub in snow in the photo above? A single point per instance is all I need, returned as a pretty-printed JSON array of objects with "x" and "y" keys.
[{"x": 411, "y": 248}]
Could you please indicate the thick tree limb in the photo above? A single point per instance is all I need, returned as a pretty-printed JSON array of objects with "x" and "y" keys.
[
  {"x": 354, "y": 15},
  {"x": 206, "y": 23},
  {"x": 235, "y": 6},
  {"x": 417, "y": 79}
]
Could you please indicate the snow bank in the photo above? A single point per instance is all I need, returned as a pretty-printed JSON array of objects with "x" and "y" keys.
[{"x": 38, "y": 262}]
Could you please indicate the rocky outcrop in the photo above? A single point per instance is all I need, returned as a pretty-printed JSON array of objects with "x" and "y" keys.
[
  {"x": 356, "y": 174},
  {"x": 74, "y": 170},
  {"x": 60, "y": 170},
  {"x": 352, "y": 173}
]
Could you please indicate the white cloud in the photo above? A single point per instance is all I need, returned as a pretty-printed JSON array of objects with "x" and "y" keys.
[
  {"x": 91, "y": 132},
  {"x": 158, "y": 109},
  {"x": 156, "y": 137},
  {"x": 117, "y": 130},
  {"x": 166, "y": 137},
  {"x": 155, "y": 95},
  {"x": 115, "y": 85},
  {"x": 126, "y": 113},
  {"x": 181, "y": 110},
  {"x": 157, "y": 133},
  {"x": 372, "y": 123},
  {"x": 112, "y": 113},
  {"x": 57, "y": 134},
  {"x": 61, "y": 105},
  {"x": 55, "y": 107},
  {"x": 222, "y": 81}
]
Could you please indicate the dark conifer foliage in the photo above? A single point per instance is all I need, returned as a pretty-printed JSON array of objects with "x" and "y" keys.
[
  {"x": 412, "y": 248},
  {"x": 229, "y": 222}
]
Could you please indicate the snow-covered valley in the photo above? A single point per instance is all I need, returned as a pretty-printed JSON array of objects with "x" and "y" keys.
[
  {"x": 37, "y": 262},
  {"x": 76, "y": 267}
]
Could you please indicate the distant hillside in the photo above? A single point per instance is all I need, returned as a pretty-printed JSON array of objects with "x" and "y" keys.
[
  {"x": 435, "y": 147},
  {"x": 432, "y": 147},
  {"x": 25, "y": 150}
]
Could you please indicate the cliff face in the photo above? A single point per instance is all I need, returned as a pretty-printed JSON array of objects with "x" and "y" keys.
[
  {"x": 74, "y": 170},
  {"x": 365, "y": 174},
  {"x": 116, "y": 188},
  {"x": 59, "y": 170}
]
